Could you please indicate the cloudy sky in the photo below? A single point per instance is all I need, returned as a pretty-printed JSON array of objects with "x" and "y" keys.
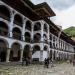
[{"x": 64, "y": 9}]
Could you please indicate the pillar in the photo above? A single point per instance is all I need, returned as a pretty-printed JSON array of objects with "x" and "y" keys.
[
  {"x": 11, "y": 23},
  {"x": 21, "y": 56},
  {"x": 8, "y": 55},
  {"x": 23, "y": 29}
]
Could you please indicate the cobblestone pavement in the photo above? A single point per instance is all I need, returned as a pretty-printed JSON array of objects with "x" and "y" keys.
[{"x": 59, "y": 69}]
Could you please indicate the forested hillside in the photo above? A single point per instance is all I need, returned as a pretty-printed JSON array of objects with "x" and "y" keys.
[{"x": 70, "y": 31}]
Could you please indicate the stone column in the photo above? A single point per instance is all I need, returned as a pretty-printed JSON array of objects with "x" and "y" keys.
[
  {"x": 11, "y": 23},
  {"x": 32, "y": 31},
  {"x": 8, "y": 55},
  {"x": 23, "y": 29},
  {"x": 42, "y": 30},
  {"x": 21, "y": 56}
]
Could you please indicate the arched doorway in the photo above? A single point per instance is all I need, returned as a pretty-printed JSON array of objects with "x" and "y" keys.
[
  {"x": 37, "y": 26},
  {"x": 18, "y": 20},
  {"x": 4, "y": 12},
  {"x": 3, "y": 29},
  {"x": 27, "y": 37},
  {"x": 26, "y": 52},
  {"x": 28, "y": 25},
  {"x": 16, "y": 33},
  {"x": 37, "y": 38},
  {"x": 3, "y": 50},
  {"x": 15, "y": 52}
]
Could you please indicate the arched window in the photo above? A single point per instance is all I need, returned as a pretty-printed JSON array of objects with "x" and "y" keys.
[
  {"x": 18, "y": 20},
  {"x": 3, "y": 29},
  {"x": 27, "y": 37},
  {"x": 4, "y": 12},
  {"x": 37, "y": 26},
  {"x": 37, "y": 38},
  {"x": 16, "y": 33},
  {"x": 28, "y": 25}
]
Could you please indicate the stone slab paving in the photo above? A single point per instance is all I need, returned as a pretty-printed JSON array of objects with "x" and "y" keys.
[{"x": 59, "y": 69}]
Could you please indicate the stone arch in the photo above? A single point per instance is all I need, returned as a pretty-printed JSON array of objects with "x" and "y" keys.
[
  {"x": 3, "y": 29},
  {"x": 45, "y": 27},
  {"x": 18, "y": 20},
  {"x": 16, "y": 33},
  {"x": 15, "y": 51},
  {"x": 26, "y": 52},
  {"x": 27, "y": 37},
  {"x": 28, "y": 25},
  {"x": 3, "y": 49},
  {"x": 37, "y": 26},
  {"x": 37, "y": 37},
  {"x": 5, "y": 12}
]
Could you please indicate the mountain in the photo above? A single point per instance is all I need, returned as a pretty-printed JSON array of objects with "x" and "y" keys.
[{"x": 70, "y": 32}]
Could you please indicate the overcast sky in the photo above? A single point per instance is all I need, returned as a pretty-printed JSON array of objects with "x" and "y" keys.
[{"x": 64, "y": 9}]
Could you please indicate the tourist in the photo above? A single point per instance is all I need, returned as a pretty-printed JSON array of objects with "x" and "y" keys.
[{"x": 46, "y": 62}]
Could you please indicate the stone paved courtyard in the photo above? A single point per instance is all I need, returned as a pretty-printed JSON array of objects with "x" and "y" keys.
[{"x": 59, "y": 69}]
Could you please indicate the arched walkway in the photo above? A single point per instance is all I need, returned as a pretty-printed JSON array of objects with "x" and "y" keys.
[
  {"x": 4, "y": 12},
  {"x": 27, "y": 37},
  {"x": 15, "y": 52},
  {"x": 16, "y": 33},
  {"x": 3, "y": 50},
  {"x": 28, "y": 25},
  {"x": 37, "y": 26},
  {"x": 18, "y": 20},
  {"x": 3, "y": 29},
  {"x": 37, "y": 38}
]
